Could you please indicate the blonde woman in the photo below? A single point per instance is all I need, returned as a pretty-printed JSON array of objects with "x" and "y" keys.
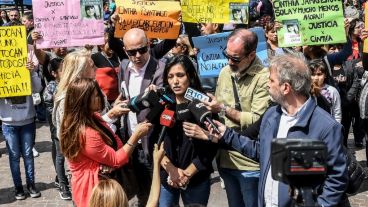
[{"x": 108, "y": 193}]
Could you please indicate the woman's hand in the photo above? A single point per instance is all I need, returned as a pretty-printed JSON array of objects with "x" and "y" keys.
[
  {"x": 36, "y": 36},
  {"x": 142, "y": 129},
  {"x": 195, "y": 131},
  {"x": 118, "y": 110},
  {"x": 364, "y": 34},
  {"x": 177, "y": 178},
  {"x": 30, "y": 66},
  {"x": 151, "y": 87},
  {"x": 158, "y": 153}
]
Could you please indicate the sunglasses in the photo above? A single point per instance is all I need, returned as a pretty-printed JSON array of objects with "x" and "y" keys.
[
  {"x": 234, "y": 59},
  {"x": 141, "y": 51}
]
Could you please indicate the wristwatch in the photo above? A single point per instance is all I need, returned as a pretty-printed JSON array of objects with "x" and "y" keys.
[{"x": 223, "y": 110}]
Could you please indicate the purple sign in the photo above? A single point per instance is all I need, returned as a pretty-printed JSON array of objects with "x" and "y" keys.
[{"x": 68, "y": 23}]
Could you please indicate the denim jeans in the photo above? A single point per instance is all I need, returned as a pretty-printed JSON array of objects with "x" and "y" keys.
[
  {"x": 19, "y": 141},
  {"x": 57, "y": 156},
  {"x": 197, "y": 194},
  {"x": 241, "y": 187}
]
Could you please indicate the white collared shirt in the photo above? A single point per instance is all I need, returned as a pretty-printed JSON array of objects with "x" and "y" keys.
[
  {"x": 271, "y": 192},
  {"x": 134, "y": 89}
]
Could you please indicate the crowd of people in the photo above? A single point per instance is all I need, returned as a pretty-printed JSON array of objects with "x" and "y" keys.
[{"x": 112, "y": 152}]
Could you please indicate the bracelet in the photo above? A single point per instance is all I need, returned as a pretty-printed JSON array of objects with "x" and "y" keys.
[{"x": 131, "y": 145}]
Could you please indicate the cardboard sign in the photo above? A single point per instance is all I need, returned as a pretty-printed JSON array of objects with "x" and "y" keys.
[
  {"x": 68, "y": 23},
  {"x": 215, "y": 11},
  {"x": 309, "y": 22},
  {"x": 159, "y": 19},
  {"x": 14, "y": 76},
  {"x": 211, "y": 58}
]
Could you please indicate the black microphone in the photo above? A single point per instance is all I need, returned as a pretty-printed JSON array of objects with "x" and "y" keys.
[
  {"x": 167, "y": 121},
  {"x": 182, "y": 112},
  {"x": 201, "y": 113}
]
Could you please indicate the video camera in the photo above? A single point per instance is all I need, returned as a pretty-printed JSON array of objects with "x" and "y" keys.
[{"x": 301, "y": 163}]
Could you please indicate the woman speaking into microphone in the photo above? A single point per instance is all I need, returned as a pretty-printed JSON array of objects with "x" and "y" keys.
[{"x": 187, "y": 166}]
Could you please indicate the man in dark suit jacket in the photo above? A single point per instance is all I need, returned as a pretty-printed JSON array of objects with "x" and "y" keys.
[{"x": 137, "y": 73}]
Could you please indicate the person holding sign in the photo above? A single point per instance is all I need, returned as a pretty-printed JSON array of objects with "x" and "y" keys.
[
  {"x": 241, "y": 98},
  {"x": 18, "y": 125}
]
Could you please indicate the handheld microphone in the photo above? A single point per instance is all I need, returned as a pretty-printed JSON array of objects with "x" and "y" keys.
[
  {"x": 201, "y": 114},
  {"x": 167, "y": 120},
  {"x": 191, "y": 94},
  {"x": 158, "y": 107},
  {"x": 182, "y": 112}
]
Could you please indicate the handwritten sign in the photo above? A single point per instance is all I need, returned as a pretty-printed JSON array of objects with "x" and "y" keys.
[
  {"x": 159, "y": 19},
  {"x": 215, "y": 11},
  {"x": 309, "y": 22},
  {"x": 68, "y": 23},
  {"x": 14, "y": 77},
  {"x": 365, "y": 47},
  {"x": 211, "y": 58}
]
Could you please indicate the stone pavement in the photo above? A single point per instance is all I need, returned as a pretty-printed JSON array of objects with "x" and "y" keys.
[{"x": 45, "y": 175}]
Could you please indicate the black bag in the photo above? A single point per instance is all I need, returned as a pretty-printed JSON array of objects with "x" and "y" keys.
[{"x": 356, "y": 174}]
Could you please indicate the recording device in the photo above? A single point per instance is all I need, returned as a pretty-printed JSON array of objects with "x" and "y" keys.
[
  {"x": 155, "y": 100},
  {"x": 167, "y": 120},
  {"x": 301, "y": 163},
  {"x": 182, "y": 112},
  {"x": 201, "y": 114},
  {"x": 191, "y": 94}
]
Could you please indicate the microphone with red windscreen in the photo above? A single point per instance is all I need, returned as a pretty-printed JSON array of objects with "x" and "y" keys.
[{"x": 167, "y": 120}]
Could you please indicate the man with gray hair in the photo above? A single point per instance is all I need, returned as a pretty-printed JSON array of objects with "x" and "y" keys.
[{"x": 296, "y": 116}]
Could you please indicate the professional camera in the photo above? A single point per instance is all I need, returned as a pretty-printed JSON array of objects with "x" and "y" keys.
[{"x": 302, "y": 164}]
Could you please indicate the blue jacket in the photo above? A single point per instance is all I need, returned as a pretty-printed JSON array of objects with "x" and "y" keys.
[{"x": 315, "y": 123}]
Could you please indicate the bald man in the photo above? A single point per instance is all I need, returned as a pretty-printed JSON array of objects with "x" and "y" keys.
[
  {"x": 136, "y": 74},
  {"x": 241, "y": 97}
]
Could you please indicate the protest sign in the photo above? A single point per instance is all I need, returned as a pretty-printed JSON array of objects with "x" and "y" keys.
[
  {"x": 211, "y": 58},
  {"x": 68, "y": 23},
  {"x": 309, "y": 22},
  {"x": 215, "y": 11},
  {"x": 14, "y": 76},
  {"x": 365, "y": 47},
  {"x": 159, "y": 19}
]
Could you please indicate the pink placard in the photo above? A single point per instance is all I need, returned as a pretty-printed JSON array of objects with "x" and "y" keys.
[{"x": 68, "y": 23}]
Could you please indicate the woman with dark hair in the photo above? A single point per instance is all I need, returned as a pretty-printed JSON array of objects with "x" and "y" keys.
[
  {"x": 90, "y": 12},
  {"x": 187, "y": 166},
  {"x": 4, "y": 18},
  {"x": 87, "y": 141},
  {"x": 320, "y": 77}
]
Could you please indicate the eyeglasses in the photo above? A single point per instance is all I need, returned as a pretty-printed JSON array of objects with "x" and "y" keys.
[
  {"x": 234, "y": 59},
  {"x": 141, "y": 51}
]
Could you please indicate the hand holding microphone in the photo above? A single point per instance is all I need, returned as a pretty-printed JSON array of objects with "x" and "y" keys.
[{"x": 201, "y": 114}]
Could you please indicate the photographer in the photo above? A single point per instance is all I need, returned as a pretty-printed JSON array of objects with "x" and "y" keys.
[{"x": 295, "y": 116}]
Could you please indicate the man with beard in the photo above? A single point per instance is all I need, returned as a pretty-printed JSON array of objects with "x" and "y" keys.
[
  {"x": 241, "y": 97},
  {"x": 296, "y": 116}
]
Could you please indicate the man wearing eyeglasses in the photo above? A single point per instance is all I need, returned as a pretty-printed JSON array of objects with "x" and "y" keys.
[
  {"x": 246, "y": 78},
  {"x": 136, "y": 74}
]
